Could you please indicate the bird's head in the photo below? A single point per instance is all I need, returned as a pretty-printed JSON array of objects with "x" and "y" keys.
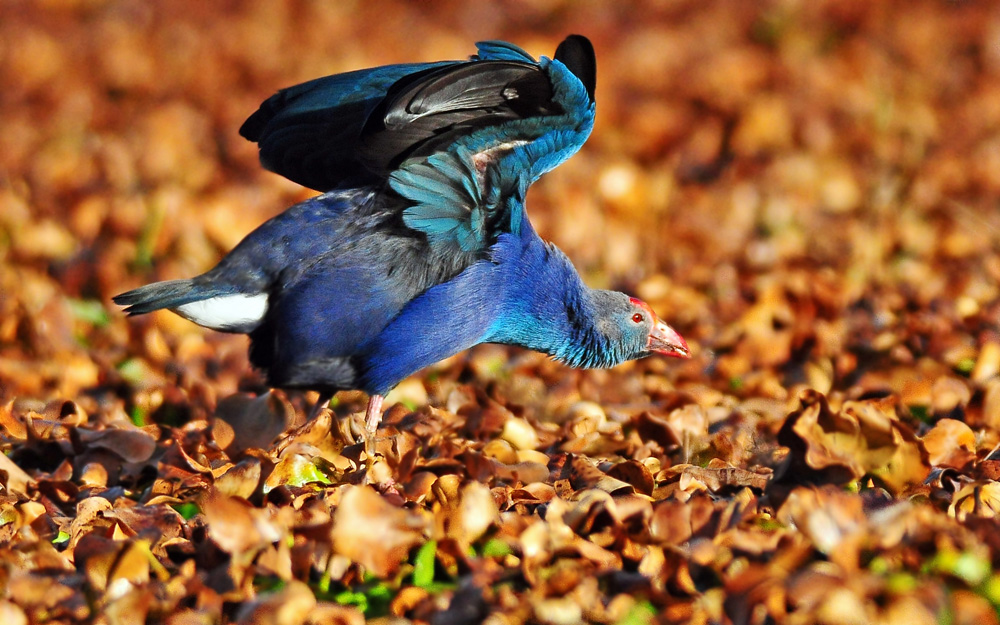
[
  {"x": 647, "y": 334},
  {"x": 623, "y": 328}
]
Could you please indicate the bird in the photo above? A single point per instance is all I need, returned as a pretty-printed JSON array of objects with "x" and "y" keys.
[{"x": 418, "y": 246}]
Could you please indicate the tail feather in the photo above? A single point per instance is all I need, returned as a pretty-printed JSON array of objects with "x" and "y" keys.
[
  {"x": 217, "y": 306},
  {"x": 159, "y": 295}
]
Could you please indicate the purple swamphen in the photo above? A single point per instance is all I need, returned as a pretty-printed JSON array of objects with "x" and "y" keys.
[{"x": 419, "y": 246}]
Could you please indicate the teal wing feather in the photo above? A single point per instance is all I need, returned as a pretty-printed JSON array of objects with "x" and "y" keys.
[
  {"x": 446, "y": 199},
  {"x": 472, "y": 190}
]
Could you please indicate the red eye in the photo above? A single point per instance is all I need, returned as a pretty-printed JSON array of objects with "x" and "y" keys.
[{"x": 638, "y": 318}]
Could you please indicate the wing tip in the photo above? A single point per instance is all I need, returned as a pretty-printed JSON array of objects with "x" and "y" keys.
[
  {"x": 577, "y": 54},
  {"x": 253, "y": 128}
]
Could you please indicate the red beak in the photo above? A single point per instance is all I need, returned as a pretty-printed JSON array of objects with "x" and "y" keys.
[{"x": 664, "y": 340}]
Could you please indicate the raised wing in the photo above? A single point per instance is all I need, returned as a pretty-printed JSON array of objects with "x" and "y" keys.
[
  {"x": 310, "y": 133},
  {"x": 459, "y": 142}
]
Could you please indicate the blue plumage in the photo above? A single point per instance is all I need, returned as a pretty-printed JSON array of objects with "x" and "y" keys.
[{"x": 420, "y": 247}]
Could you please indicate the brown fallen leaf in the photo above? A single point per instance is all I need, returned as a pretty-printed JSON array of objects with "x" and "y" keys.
[
  {"x": 162, "y": 522},
  {"x": 950, "y": 443},
  {"x": 131, "y": 445},
  {"x": 89, "y": 515},
  {"x": 17, "y": 480},
  {"x": 12, "y": 614},
  {"x": 291, "y": 605},
  {"x": 475, "y": 514},
  {"x": 833, "y": 520},
  {"x": 656, "y": 428},
  {"x": 334, "y": 614},
  {"x": 980, "y": 499},
  {"x": 585, "y": 474},
  {"x": 372, "y": 532},
  {"x": 41, "y": 594},
  {"x": 243, "y": 422},
  {"x": 718, "y": 475},
  {"x": 864, "y": 438},
  {"x": 237, "y": 527},
  {"x": 10, "y": 424},
  {"x": 240, "y": 480},
  {"x": 634, "y": 473},
  {"x": 689, "y": 424}
]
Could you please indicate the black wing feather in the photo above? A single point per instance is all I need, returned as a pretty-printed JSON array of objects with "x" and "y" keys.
[
  {"x": 352, "y": 130},
  {"x": 422, "y": 113},
  {"x": 577, "y": 54}
]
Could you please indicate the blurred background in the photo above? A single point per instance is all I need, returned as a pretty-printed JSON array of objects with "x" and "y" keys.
[{"x": 807, "y": 190}]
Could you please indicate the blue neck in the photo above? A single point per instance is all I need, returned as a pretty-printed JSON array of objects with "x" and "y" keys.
[{"x": 546, "y": 307}]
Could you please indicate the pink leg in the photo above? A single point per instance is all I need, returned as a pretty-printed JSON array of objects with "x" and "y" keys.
[
  {"x": 372, "y": 417},
  {"x": 373, "y": 414}
]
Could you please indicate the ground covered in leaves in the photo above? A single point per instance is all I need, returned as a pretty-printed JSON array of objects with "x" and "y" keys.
[{"x": 807, "y": 191}]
